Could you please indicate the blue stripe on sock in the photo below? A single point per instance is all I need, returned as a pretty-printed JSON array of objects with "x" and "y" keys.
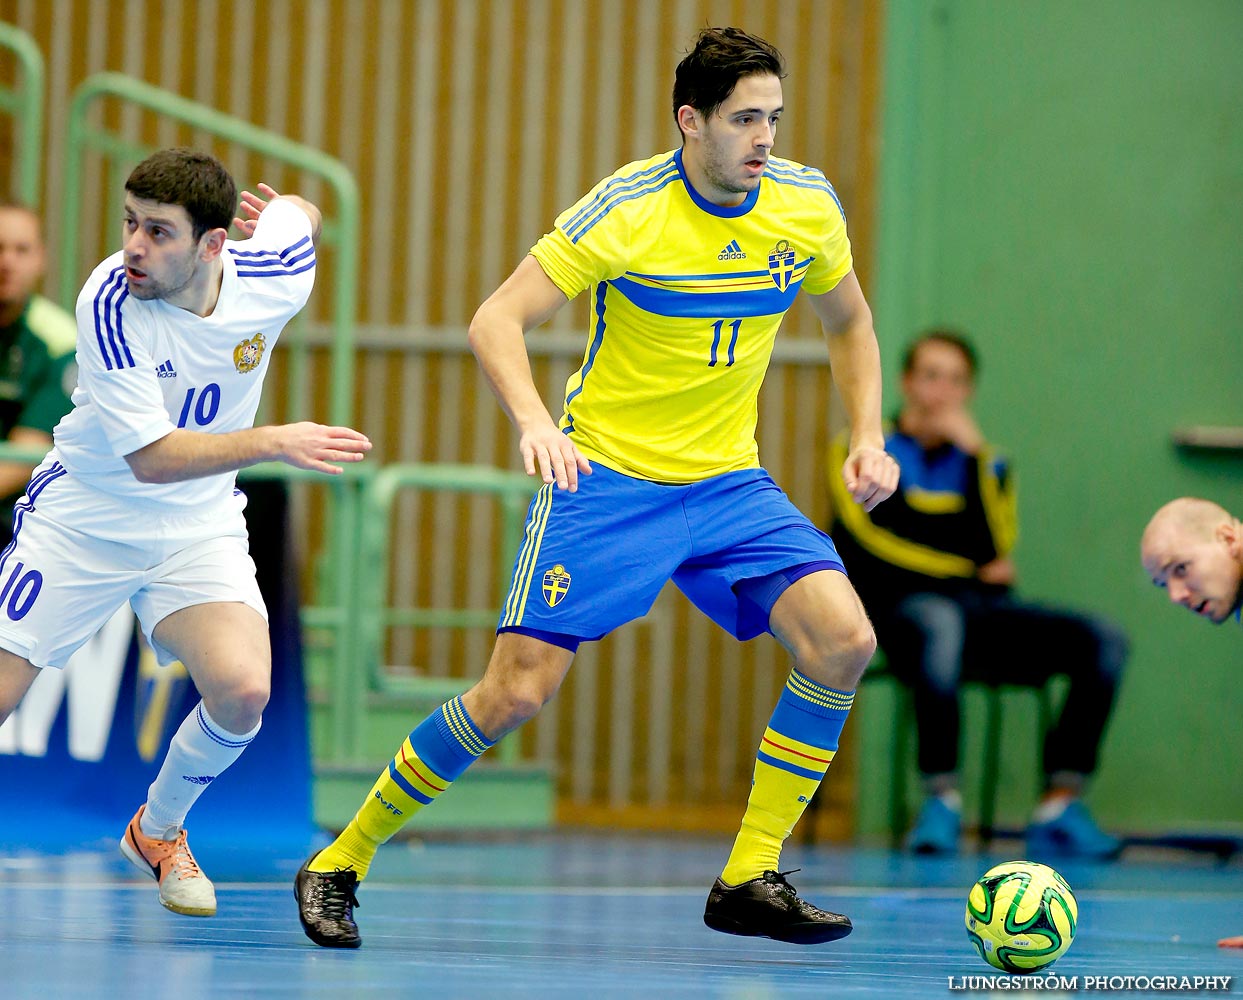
[
  {"x": 438, "y": 746},
  {"x": 405, "y": 785},
  {"x": 785, "y": 765},
  {"x": 803, "y": 715}
]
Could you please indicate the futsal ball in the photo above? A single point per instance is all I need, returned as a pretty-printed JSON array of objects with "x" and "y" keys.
[{"x": 1021, "y": 916}]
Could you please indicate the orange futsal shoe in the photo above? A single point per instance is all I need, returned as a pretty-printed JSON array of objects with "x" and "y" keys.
[{"x": 183, "y": 886}]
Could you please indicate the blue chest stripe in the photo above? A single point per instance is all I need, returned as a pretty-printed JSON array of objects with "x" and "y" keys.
[{"x": 708, "y": 305}]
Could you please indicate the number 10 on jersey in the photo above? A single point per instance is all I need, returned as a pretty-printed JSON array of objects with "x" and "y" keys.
[
  {"x": 717, "y": 329},
  {"x": 206, "y": 407}
]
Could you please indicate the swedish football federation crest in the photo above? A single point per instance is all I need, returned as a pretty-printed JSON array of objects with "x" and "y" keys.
[
  {"x": 781, "y": 264},
  {"x": 248, "y": 354},
  {"x": 556, "y": 585}
]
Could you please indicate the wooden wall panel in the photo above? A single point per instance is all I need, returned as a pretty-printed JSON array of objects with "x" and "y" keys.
[{"x": 469, "y": 125}]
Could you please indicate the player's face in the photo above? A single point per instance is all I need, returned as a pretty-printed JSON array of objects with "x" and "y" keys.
[
  {"x": 939, "y": 380},
  {"x": 21, "y": 256},
  {"x": 737, "y": 138},
  {"x": 1203, "y": 575},
  {"x": 162, "y": 257}
]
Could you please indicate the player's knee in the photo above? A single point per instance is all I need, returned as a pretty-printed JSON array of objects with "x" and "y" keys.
[
  {"x": 240, "y": 707},
  {"x": 839, "y": 656},
  {"x": 522, "y": 700}
]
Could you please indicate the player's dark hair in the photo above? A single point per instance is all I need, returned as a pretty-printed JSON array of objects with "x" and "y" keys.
[
  {"x": 196, "y": 181},
  {"x": 721, "y": 57},
  {"x": 941, "y": 336}
]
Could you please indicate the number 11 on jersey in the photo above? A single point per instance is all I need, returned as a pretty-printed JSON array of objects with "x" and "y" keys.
[{"x": 717, "y": 327}]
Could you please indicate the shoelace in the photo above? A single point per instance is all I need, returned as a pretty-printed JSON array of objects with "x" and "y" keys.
[
  {"x": 779, "y": 878},
  {"x": 183, "y": 864},
  {"x": 336, "y": 893}
]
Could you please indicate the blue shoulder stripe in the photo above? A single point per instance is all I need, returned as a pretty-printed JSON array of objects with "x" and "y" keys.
[
  {"x": 108, "y": 300},
  {"x": 265, "y": 263},
  {"x": 612, "y": 187},
  {"x": 627, "y": 193},
  {"x": 277, "y": 273},
  {"x": 285, "y": 254}
]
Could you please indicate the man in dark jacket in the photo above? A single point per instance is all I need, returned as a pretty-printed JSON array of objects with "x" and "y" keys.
[{"x": 933, "y": 568}]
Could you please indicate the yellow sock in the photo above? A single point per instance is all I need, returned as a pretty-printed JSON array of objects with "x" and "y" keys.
[
  {"x": 800, "y": 741},
  {"x": 777, "y": 800},
  {"x": 403, "y": 788}
]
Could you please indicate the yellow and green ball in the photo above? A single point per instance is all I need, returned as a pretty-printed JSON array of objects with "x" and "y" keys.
[{"x": 1021, "y": 916}]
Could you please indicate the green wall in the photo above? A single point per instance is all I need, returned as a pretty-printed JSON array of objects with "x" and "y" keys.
[{"x": 1064, "y": 181}]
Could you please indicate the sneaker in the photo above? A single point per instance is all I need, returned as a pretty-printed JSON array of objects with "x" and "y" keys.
[
  {"x": 769, "y": 906},
  {"x": 183, "y": 886},
  {"x": 326, "y": 902},
  {"x": 936, "y": 829},
  {"x": 1073, "y": 834}
]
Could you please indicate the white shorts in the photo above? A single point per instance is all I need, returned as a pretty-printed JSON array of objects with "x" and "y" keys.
[{"x": 78, "y": 554}]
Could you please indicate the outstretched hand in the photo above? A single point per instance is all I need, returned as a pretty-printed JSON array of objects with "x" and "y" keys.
[
  {"x": 252, "y": 207},
  {"x": 308, "y": 445},
  {"x": 871, "y": 475},
  {"x": 555, "y": 455}
]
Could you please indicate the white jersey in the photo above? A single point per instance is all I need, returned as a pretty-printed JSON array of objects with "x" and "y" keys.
[{"x": 146, "y": 367}]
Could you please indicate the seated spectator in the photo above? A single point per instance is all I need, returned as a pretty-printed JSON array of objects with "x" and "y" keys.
[
  {"x": 37, "y": 369},
  {"x": 933, "y": 568}
]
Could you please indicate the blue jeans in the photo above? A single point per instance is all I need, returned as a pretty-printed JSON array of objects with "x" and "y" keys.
[{"x": 935, "y": 642}]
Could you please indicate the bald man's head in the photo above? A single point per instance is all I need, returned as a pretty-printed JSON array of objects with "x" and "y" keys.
[{"x": 1194, "y": 548}]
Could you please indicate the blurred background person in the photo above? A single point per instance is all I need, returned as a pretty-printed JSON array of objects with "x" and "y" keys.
[
  {"x": 934, "y": 570},
  {"x": 1193, "y": 548},
  {"x": 37, "y": 369}
]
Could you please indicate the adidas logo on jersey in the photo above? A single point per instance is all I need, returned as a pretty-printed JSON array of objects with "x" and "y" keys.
[
  {"x": 732, "y": 252},
  {"x": 166, "y": 370}
]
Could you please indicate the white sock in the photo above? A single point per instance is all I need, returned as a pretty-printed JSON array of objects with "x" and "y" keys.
[{"x": 201, "y": 749}]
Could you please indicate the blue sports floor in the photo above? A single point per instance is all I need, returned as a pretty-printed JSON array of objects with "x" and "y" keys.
[{"x": 577, "y": 915}]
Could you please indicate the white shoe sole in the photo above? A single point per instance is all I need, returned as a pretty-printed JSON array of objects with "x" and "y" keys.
[{"x": 203, "y": 909}]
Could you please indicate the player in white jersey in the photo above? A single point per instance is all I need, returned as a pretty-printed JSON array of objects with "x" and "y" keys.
[{"x": 136, "y": 500}]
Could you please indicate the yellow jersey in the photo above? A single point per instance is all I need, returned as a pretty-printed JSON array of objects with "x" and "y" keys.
[{"x": 687, "y": 297}]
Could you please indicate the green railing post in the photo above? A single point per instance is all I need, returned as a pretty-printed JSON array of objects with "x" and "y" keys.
[
  {"x": 25, "y": 103},
  {"x": 512, "y": 489}
]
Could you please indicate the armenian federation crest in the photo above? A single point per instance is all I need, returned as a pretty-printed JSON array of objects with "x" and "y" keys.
[
  {"x": 248, "y": 354},
  {"x": 781, "y": 264},
  {"x": 556, "y": 585}
]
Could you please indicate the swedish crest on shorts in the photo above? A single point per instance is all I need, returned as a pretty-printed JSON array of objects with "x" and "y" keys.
[
  {"x": 781, "y": 264},
  {"x": 248, "y": 354},
  {"x": 556, "y": 585}
]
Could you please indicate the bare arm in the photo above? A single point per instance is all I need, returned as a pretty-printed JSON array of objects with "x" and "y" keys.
[
  {"x": 526, "y": 299},
  {"x": 184, "y": 454},
  {"x": 871, "y": 475}
]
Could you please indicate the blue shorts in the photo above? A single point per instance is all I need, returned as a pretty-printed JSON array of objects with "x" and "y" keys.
[{"x": 597, "y": 558}]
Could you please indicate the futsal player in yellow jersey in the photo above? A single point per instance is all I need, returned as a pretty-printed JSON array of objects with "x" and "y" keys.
[{"x": 691, "y": 259}]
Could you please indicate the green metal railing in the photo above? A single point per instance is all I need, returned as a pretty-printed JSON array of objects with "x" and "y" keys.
[
  {"x": 25, "y": 103},
  {"x": 512, "y": 491}
]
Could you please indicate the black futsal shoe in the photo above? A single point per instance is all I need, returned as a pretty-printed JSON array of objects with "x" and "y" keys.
[
  {"x": 768, "y": 906},
  {"x": 326, "y": 902}
]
